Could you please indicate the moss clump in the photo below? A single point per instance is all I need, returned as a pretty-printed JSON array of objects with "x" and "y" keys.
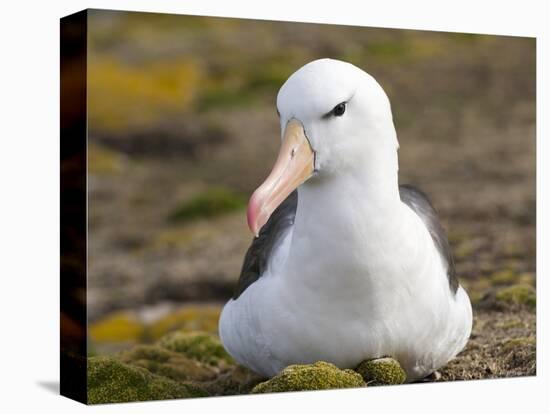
[
  {"x": 112, "y": 381},
  {"x": 382, "y": 371},
  {"x": 211, "y": 203},
  {"x": 317, "y": 376},
  {"x": 520, "y": 294},
  {"x": 167, "y": 363},
  {"x": 199, "y": 346}
]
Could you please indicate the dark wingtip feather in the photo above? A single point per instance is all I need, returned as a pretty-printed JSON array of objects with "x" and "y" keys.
[{"x": 419, "y": 202}]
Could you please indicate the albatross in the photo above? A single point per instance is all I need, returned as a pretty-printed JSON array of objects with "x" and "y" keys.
[{"x": 346, "y": 265}]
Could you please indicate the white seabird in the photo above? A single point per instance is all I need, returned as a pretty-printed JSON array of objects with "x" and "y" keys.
[{"x": 351, "y": 266}]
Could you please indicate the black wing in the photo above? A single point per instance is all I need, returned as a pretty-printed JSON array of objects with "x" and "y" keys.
[
  {"x": 421, "y": 205},
  {"x": 259, "y": 252}
]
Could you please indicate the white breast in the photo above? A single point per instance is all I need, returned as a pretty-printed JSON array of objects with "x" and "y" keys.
[{"x": 386, "y": 295}]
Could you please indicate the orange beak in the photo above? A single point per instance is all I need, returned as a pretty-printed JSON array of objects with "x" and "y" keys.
[{"x": 294, "y": 165}]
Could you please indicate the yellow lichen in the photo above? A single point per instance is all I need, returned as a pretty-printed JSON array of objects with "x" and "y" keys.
[
  {"x": 190, "y": 318},
  {"x": 123, "y": 96},
  {"x": 117, "y": 327}
]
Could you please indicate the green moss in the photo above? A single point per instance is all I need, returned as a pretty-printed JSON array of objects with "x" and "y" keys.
[
  {"x": 269, "y": 77},
  {"x": 112, "y": 381},
  {"x": 504, "y": 277},
  {"x": 382, "y": 371},
  {"x": 211, "y": 203},
  {"x": 167, "y": 363},
  {"x": 518, "y": 343},
  {"x": 388, "y": 50},
  {"x": 223, "y": 99},
  {"x": 509, "y": 324},
  {"x": 464, "y": 249},
  {"x": 265, "y": 78},
  {"x": 475, "y": 297},
  {"x": 520, "y": 294},
  {"x": 514, "y": 250},
  {"x": 317, "y": 376},
  {"x": 199, "y": 346},
  {"x": 465, "y": 37}
]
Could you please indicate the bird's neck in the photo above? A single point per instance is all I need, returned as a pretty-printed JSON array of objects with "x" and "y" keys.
[
  {"x": 344, "y": 224},
  {"x": 362, "y": 199}
]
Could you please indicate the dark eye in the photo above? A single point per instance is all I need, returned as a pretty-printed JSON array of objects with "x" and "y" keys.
[{"x": 339, "y": 109}]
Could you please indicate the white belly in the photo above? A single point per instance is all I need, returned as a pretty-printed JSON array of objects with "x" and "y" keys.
[{"x": 267, "y": 329}]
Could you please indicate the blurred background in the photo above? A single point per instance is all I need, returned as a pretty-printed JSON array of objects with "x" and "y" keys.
[{"x": 172, "y": 166}]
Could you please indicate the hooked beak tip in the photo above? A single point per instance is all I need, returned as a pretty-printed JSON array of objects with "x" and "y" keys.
[{"x": 253, "y": 213}]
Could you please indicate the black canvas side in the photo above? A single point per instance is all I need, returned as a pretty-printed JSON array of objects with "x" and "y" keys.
[{"x": 73, "y": 38}]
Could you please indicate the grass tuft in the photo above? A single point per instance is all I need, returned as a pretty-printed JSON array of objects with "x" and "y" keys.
[{"x": 211, "y": 203}]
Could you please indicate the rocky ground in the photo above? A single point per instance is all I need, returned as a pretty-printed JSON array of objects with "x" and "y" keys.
[{"x": 170, "y": 174}]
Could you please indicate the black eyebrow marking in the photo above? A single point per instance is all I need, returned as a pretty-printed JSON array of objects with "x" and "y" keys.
[{"x": 329, "y": 113}]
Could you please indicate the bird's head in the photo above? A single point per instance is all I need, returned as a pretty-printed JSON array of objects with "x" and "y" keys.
[{"x": 335, "y": 118}]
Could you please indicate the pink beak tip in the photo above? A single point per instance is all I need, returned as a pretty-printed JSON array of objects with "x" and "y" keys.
[{"x": 252, "y": 213}]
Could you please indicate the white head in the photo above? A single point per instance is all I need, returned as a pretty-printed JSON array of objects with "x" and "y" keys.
[
  {"x": 364, "y": 130},
  {"x": 335, "y": 120}
]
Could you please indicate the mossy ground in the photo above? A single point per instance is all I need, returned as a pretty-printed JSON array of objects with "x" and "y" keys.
[
  {"x": 184, "y": 364},
  {"x": 180, "y": 365},
  {"x": 317, "y": 376},
  {"x": 111, "y": 381}
]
